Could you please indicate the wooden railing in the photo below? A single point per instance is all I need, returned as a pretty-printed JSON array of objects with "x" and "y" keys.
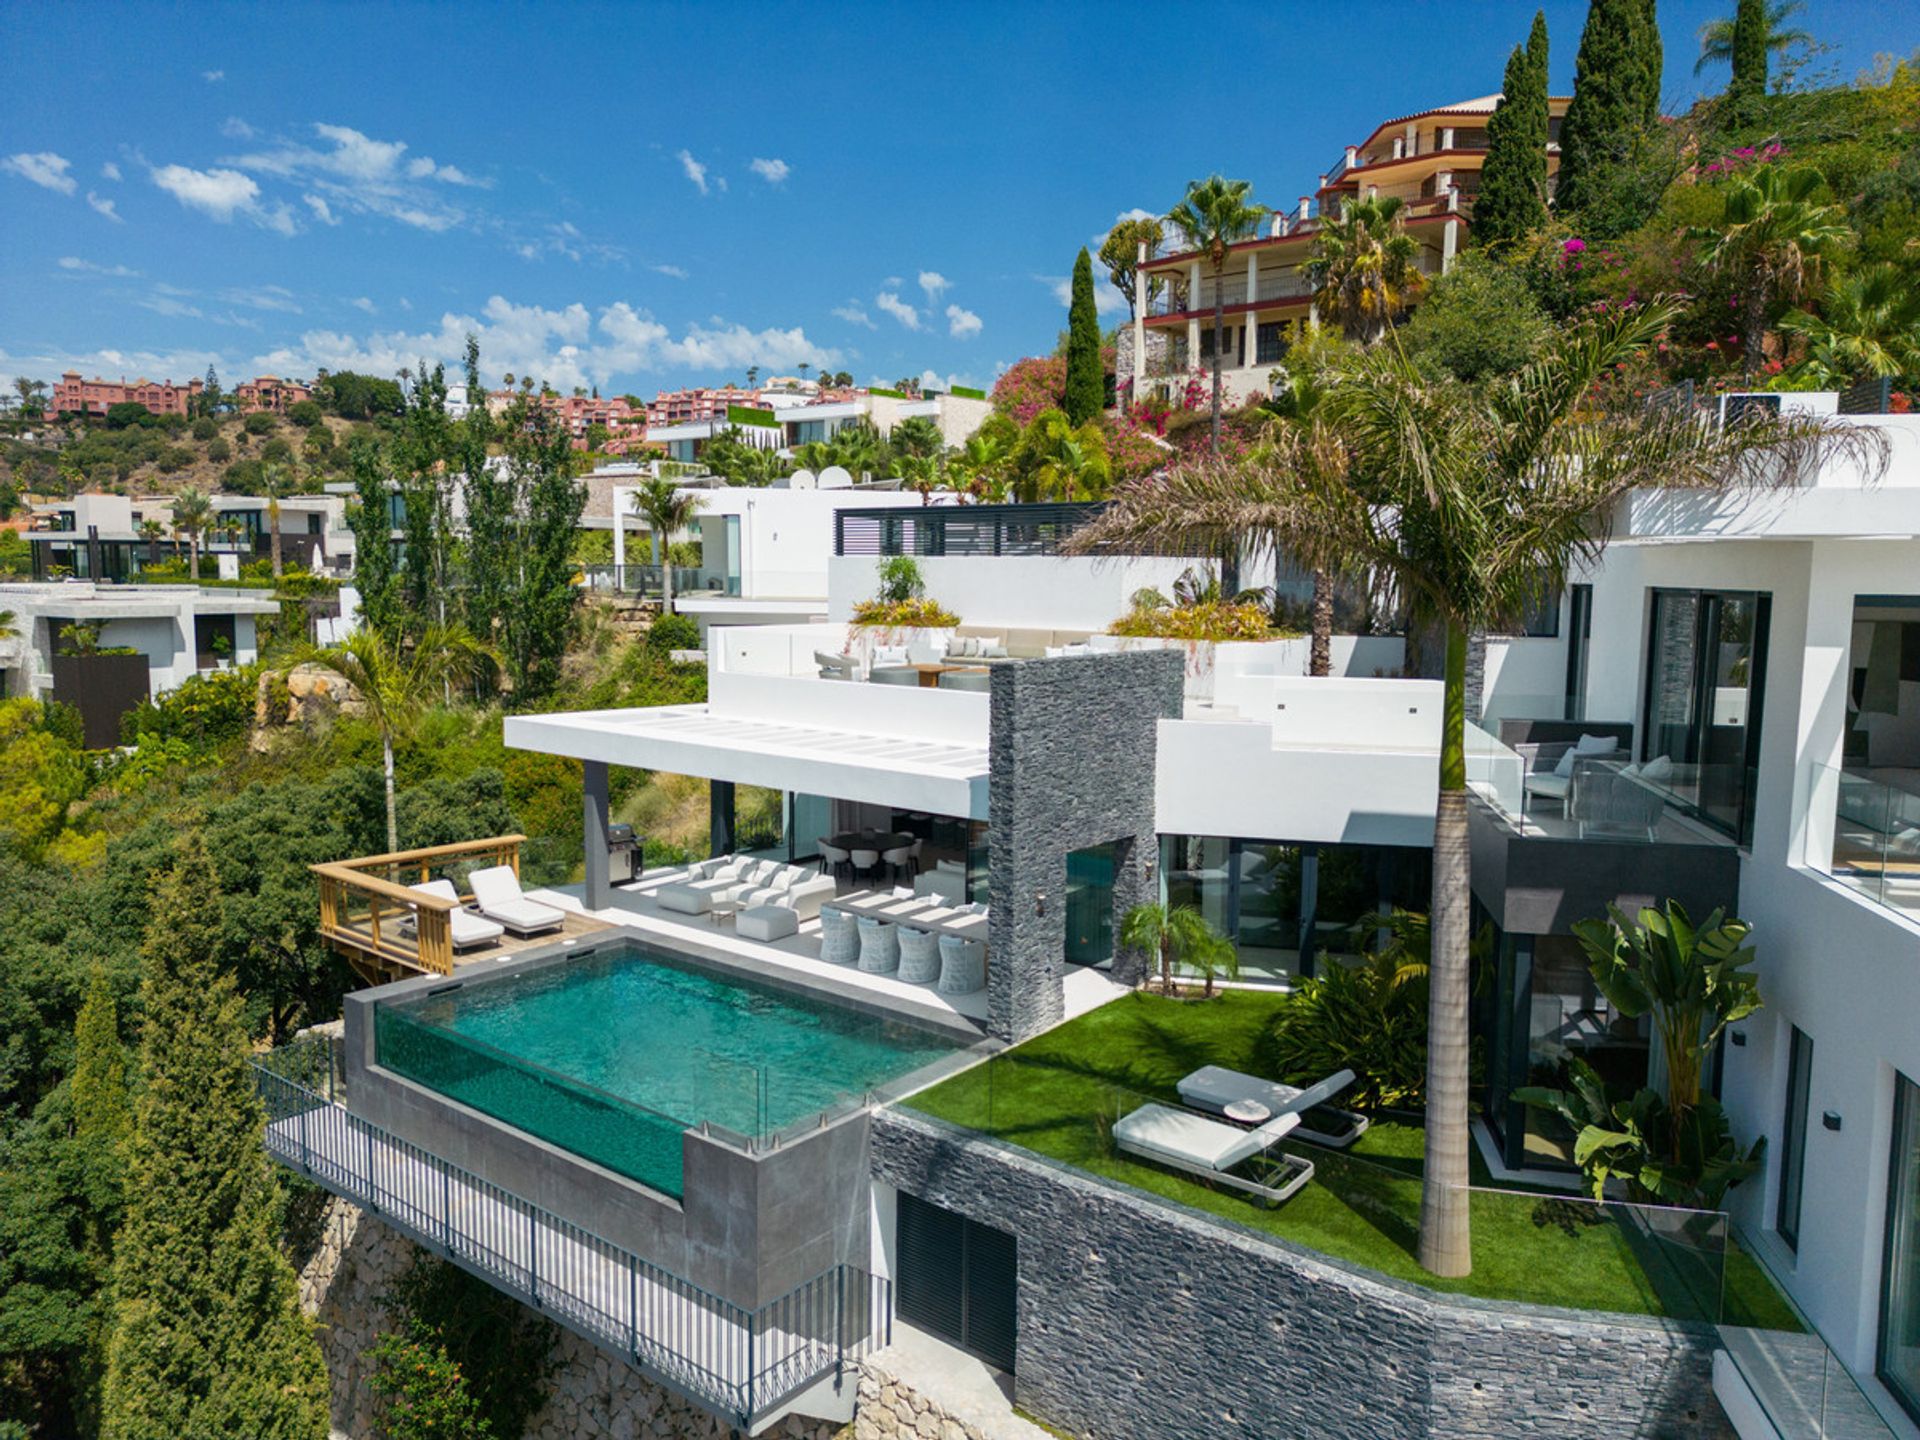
[{"x": 369, "y": 914}]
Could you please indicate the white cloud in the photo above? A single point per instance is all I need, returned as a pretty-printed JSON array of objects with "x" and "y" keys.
[
  {"x": 213, "y": 77},
  {"x": 854, "y": 315},
  {"x": 898, "y": 308},
  {"x": 1135, "y": 213},
  {"x": 771, "y": 171},
  {"x": 171, "y": 306},
  {"x": 109, "y": 171},
  {"x": 566, "y": 346},
  {"x": 932, "y": 380},
  {"x": 264, "y": 297},
  {"x": 962, "y": 324},
  {"x": 88, "y": 267},
  {"x": 934, "y": 283},
  {"x": 43, "y": 168},
  {"x": 694, "y": 170},
  {"x": 672, "y": 272},
  {"x": 160, "y": 364},
  {"x": 355, "y": 172},
  {"x": 234, "y": 128},
  {"x": 1106, "y": 299},
  {"x": 322, "y": 211},
  {"x": 219, "y": 193},
  {"x": 103, "y": 206},
  {"x": 363, "y": 303}
]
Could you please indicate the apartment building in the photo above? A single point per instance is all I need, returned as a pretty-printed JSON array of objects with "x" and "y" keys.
[
  {"x": 625, "y": 424},
  {"x": 1431, "y": 159},
  {"x": 269, "y": 393},
  {"x": 74, "y": 396}
]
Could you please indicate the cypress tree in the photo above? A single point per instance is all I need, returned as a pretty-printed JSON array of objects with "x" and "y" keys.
[
  {"x": 208, "y": 1338},
  {"x": 1608, "y": 106},
  {"x": 99, "y": 1081},
  {"x": 1653, "y": 59},
  {"x": 1749, "y": 51},
  {"x": 1513, "y": 183},
  {"x": 1085, "y": 395}
]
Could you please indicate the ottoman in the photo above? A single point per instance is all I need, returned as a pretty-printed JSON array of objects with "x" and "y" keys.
[{"x": 766, "y": 922}]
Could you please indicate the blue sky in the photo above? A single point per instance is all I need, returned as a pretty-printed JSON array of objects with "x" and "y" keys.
[{"x": 642, "y": 196}]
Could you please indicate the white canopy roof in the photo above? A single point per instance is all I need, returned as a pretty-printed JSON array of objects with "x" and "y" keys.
[{"x": 944, "y": 777}]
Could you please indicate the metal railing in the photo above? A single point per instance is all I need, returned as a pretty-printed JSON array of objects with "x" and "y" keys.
[
  {"x": 1867, "y": 397},
  {"x": 960, "y": 529},
  {"x": 742, "y": 1363},
  {"x": 641, "y": 579}
]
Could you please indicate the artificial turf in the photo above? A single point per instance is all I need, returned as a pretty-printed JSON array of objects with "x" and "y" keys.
[{"x": 1059, "y": 1093}]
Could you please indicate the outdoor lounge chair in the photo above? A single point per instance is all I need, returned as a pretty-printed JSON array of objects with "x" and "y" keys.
[
  {"x": 1214, "y": 1150},
  {"x": 466, "y": 928},
  {"x": 496, "y": 890},
  {"x": 1214, "y": 1087}
]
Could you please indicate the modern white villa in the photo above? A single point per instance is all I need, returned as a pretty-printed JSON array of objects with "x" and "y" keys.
[
  {"x": 785, "y": 426},
  {"x": 111, "y": 537},
  {"x": 1725, "y": 712}
]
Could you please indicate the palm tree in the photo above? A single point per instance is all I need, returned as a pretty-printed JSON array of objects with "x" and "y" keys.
[
  {"x": 1363, "y": 269},
  {"x": 1716, "y": 36},
  {"x": 1178, "y": 933},
  {"x": 276, "y": 480},
  {"x": 1868, "y": 325},
  {"x": 192, "y": 513},
  {"x": 1214, "y": 215},
  {"x": 399, "y": 685},
  {"x": 1475, "y": 499},
  {"x": 1773, "y": 240},
  {"x": 668, "y": 510},
  {"x": 150, "y": 531}
]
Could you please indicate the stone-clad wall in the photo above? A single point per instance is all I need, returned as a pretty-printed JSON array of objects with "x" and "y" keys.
[
  {"x": 1140, "y": 1320},
  {"x": 1071, "y": 750}
]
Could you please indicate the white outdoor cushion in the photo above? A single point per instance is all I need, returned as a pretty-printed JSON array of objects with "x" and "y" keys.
[
  {"x": 1186, "y": 1138},
  {"x": 1214, "y": 1087},
  {"x": 1658, "y": 768},
  {"x": 496, "y": 890},
  {"x": 465, "y": 927},
  {"x": 766, "y": 922},
  {"x": 1596, "y": 745},
  {"x": 993, "y": 650},
  {"x": 903, "y": 892}
]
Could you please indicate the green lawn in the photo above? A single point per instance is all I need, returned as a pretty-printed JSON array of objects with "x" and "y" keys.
[{"x": 1059, "y": 1094}]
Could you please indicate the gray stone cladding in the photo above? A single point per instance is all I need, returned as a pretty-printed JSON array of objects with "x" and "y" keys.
[
  {"x": 1140, "y": 1319},
  {"x": 1071, "y": 753}
]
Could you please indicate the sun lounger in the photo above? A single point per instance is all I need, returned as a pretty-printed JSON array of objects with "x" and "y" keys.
[
  {"x": 466, "y": 928},
  {"x": 1214, "y": 1087},
  {"x": 1216, "y": 1151},
  {"x": 496, "y": 890}
]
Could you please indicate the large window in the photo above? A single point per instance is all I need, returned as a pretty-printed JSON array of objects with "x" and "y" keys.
[
  {"x": 1706, "y": 673},
  {"x": 1898, "y": 1360},
  {"x": 1286, "y": 906},
  {"x": 1793, "y": 1137}
]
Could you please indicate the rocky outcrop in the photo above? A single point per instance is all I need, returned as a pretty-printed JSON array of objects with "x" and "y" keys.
[{"x": 300, "y": 696}]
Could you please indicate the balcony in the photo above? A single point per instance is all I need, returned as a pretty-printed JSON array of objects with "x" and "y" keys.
[
  {"x": 960, "y": 529},
  {"x": 1876, "y": 837}
]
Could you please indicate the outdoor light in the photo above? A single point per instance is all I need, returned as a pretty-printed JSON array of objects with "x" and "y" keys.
[
  {"x": 1039, "y": 902},
  {"x": 1739, "y": 1037},
  {"x": 1831, "y": 1119}
]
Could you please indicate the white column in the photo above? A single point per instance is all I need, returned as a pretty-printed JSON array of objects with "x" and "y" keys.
[
  {"x": 1193, "y": 341},
  {"x": 1193, "y": 303},
  {"x": 620, "y": 497},
  {"x": 1413, "y": 138},
  {"x": 1140, "y": 291},
  {"x": 1812, "y": 733},
  {"x": 1449, "y": 244},
  {"x": 1446, "y": 137}
]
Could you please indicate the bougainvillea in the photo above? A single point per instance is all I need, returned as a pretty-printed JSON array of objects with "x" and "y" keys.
[{"x": 1031, "y": 385}]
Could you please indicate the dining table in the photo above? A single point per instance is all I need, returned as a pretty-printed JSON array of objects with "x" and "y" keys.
[{"x": 879, "y": 840}]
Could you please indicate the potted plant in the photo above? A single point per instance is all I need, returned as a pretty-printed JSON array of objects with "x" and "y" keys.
[{"x": 899, "y": 613}]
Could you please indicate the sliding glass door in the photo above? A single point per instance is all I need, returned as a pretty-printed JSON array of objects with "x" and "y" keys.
[
  {"x": 1898, "y": 1361},
  {"x": 1706, "y": 673}
]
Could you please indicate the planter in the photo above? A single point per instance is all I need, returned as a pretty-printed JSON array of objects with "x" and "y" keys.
[{"x": 863, "y": 640}]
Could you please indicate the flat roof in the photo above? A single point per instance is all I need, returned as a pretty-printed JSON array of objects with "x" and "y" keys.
[{"x": 944, "y": 777}]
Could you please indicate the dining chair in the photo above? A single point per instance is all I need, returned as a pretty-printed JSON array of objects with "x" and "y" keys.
[
  {"x": 865, "y": 862},
  {"x": 833, "y": 859},
  {"x": 897, "y": 860}
]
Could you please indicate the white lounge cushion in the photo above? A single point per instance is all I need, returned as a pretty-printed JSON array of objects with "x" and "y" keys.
[
  {"x": 1658, "y": 770},
  {"x": 1184, "y": 1138},
  {"x": 496, "y": 890},
  {"x": 766, "y": 922},
  {"x": 1214, "y": 1087},
  {"x": 463, "y": 925}
]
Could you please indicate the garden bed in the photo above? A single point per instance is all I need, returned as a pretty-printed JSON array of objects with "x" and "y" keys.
[{"x": 1059, "y": 1093}]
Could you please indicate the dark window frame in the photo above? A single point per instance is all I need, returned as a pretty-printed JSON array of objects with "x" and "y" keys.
[
  {"x": 1906, "y": 1093},
  {"x": 1793, "y": 1137}
]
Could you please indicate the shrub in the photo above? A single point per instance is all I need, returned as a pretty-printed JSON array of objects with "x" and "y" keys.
[
  {"x": 303, "y": 413},
  {"x": 208, "y": 711},
  {"x": 421, "y": 1392},
  {"x": 259, "y": 423},
  {"x": 174, "y": 459},
  {"x": 276, "y": 451},
  {"x": 900, "y": 579},
  {"x": 918, "y": 613},
  {"x": 673, "y": 632},
  {"x": 204, "y": 428},
  {"x": 127, "y": 412},
  {"x": 1207, "y": 620},
  {"x": 219, "y": 451},
  {"x": 1371, "y": 1019},
  {"x": 503, "y": 1349}
]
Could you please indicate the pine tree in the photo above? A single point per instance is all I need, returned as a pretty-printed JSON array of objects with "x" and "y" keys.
[
  {"x": 1085, "y": 395},
  {"x": 208, "y": 1338},
  {"x": 1513, "y": 183},
  {"x": 1749, "y": 51}
]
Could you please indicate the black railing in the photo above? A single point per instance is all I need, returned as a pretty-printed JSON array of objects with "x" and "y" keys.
[
  {"x": 1868, "y": 397},
  {"x": 960, "y": 529},
  {"x": 741, "y": 1363}
]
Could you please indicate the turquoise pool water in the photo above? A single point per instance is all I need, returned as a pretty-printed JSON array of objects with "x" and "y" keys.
[{"x": 614, "y": 1053}]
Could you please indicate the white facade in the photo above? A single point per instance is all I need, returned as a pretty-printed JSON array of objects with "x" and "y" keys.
[{"x": 157, "y": 620}]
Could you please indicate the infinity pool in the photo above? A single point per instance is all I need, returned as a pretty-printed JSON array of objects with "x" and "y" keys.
[{"x": 613, "y": 1053}]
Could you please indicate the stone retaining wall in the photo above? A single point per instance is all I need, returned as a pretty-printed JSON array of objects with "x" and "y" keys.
[{"x": 1141, "y": 1320}]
